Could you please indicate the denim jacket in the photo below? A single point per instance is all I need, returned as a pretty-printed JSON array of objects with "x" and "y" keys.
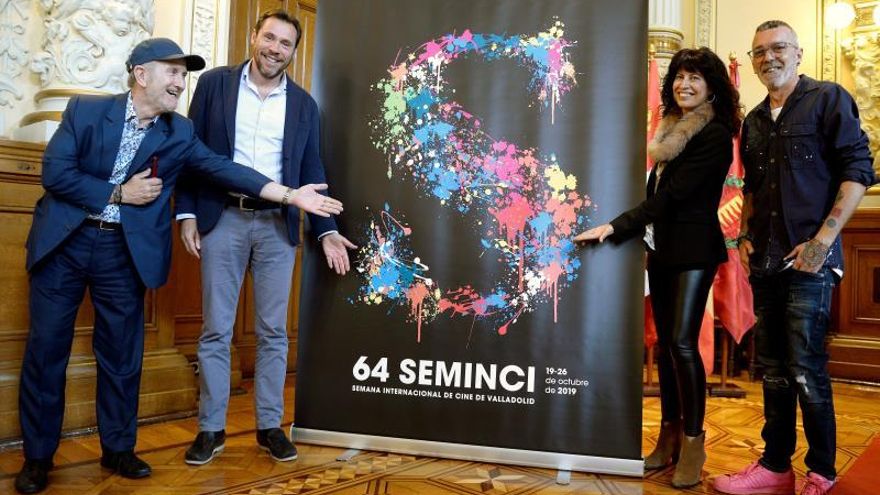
[{"x": 795, "y": 165}]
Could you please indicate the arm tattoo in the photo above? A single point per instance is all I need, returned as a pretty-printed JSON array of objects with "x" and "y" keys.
[
  {"x": 836, "y": 212},
  {"x": 814, "y": 253}
]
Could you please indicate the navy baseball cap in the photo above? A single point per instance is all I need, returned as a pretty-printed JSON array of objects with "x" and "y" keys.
[{"x": 162, "y": 49}]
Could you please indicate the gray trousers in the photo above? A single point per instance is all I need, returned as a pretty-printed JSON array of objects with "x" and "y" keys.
[{"x": 241, "y": 240}]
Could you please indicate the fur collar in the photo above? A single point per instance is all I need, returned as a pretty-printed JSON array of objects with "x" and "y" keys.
[{"x": 675, "y": 131}]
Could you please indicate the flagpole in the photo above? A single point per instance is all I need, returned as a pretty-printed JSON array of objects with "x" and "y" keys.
[
  {"x": 649, "y": 389},
  {"x": 724, "y": 389}
]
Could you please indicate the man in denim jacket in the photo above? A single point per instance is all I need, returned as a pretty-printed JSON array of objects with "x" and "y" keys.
[{"x": 807, "y": 167}]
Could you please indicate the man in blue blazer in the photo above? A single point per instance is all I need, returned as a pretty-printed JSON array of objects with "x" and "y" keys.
[
  {"x": 254, "y": 114},
  {"x": 104, "y": 224}
]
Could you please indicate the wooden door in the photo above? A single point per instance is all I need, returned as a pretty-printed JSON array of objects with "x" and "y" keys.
[{"x": 854, "y": 344}]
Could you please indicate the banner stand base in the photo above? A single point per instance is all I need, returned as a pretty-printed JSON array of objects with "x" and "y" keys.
[
  {"x": 345, "y": 456},
  {"x": 563, "y": 477},
  {"x": 533, "y": 458}
]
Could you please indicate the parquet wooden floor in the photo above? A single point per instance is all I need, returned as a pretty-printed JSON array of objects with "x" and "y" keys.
[{"x": 733, "y": 432}]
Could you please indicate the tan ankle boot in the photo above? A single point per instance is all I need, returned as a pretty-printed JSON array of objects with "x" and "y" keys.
[
  {"x": 689, "y": 468},
  {"x": 668, "y": 444}
]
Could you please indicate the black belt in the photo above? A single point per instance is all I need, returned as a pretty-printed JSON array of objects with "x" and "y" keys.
[
  {"x": 245, "y": 203},
  {"x": 101, "y": 224}
]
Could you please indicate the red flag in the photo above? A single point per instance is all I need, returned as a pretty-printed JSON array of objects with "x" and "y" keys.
[
  {"x": 650, "y": 328},
  {"x": 733, "y": 69},
  {"x": 653, "y": 122},
  {"x": 653, "y": 102},
  {"x": 706, "y": 343},
  {"x": 732, "y": 292}
]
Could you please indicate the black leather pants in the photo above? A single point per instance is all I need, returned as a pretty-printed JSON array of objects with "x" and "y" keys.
[{"x": 678, "y": 298}]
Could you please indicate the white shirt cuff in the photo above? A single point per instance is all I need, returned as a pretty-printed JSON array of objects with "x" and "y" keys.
[
  {"x": 325, "y": 234},
  {"x": 184, "y": 216}
]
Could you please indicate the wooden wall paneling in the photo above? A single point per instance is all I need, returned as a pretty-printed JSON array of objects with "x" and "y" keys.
[
  {"x": 855, "y": 343},
  {"x": 240, "y": 21},
  {"x": 306, "y": 12},
  {"x": 184, "y": 287},
  {"x": 167, "y": 383},
  {"x": 20, "y": 168},
  {"x": 243, "y": 15}
]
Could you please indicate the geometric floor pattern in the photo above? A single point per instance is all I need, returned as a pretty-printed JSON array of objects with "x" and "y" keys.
[{"x": 733, "y": 440}]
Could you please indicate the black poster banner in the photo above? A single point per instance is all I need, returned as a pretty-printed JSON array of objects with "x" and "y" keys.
[{"x": 470, "y": 141}]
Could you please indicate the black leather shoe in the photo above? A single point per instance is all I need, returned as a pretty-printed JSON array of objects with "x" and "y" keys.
[
  {"x": 33, "y": 477},
  {"x": 276, "y": 443},
  {"x": 126, "y": 464},
  {"x": 206, "y": 445}
]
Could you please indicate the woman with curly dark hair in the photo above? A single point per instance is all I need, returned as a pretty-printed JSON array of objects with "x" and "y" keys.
[{"x": 692, "y": 151}]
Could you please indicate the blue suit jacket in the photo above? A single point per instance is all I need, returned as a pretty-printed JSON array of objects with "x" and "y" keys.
[
  {"x": 212, "y": 110},
  {"x": 78, "y": 162}
]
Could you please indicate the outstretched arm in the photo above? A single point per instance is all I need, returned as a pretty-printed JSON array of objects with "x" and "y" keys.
[
  {"x": 599, "y": 233},
  {"x": 305, "y": 198}
]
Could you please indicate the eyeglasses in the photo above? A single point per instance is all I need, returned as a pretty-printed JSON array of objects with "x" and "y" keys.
[{"x": 777, "y": 49}]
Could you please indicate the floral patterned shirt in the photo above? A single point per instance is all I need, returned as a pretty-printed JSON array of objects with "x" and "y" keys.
[{"x": 132, "y": 136}]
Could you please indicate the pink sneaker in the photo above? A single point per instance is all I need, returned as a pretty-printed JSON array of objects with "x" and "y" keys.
[
  {"x": 815, "y": 484},
  {"x": 755, "y": 480}
]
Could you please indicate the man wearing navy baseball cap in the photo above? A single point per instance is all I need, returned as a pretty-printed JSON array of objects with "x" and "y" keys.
[
  {"x": 104, "y": 224},
  {"x": 164, "y": 50}
]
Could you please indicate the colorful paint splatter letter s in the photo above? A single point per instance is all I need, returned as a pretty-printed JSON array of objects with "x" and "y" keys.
[{"x": 524, "y": 206}]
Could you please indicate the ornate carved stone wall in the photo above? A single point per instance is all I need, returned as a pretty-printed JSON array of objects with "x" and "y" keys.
[
  {"x": 83, "y": 49},
  {"x": 861, "y": 51},
  {"x": 52, "y": 49},
  {"x": 206, "y": 35},
  {"x": 86, "y": 42},
  {"x": 203, "y": 35},
  {"x": 703, "y": 23},
  {"x": 13, "y": 49}
]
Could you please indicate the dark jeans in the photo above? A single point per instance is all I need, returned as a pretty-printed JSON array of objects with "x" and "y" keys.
[
  {"x": 678, "y": 299},
  {"x": 792, "y": 310},
  {"x": 97, "y": 260}
]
